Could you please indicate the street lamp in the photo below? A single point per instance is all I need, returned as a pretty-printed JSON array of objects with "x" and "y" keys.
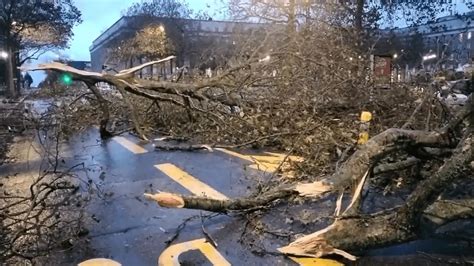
[
  {"x": 3, "y": 55},
  {"x": 429, "y": 57}
]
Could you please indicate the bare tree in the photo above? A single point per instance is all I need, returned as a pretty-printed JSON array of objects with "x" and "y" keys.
[
  {"x": 32, "y": 27},
  {"x": 159, "y": 31}
]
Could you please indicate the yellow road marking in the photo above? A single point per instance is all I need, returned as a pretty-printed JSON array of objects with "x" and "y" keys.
[
  {"x": 99, "y": 262},
  {"x": 268, "y": 163},
  {"x": 189, "y": 182},
  {"x": 170, "y": 255},
  {"x": 316, "y": 262},
  {"x": 129, "y": 145}
]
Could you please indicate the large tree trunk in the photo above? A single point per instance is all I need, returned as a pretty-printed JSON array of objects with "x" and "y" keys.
[
  {"x": 10, "y": 73},
  {"x": 359, "y": 16},
  {"x": 381, "y": 229}
]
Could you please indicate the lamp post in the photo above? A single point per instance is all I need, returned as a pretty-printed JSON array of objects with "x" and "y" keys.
[{"x": 9, "y": 73}]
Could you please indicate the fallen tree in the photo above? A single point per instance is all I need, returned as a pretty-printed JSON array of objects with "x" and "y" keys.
[
  {"x": 277, "y": 90},
  {"x": 355, "y": 232},
  {"x": 157, "y": 91},
  {"x": 351, "y": 230}
]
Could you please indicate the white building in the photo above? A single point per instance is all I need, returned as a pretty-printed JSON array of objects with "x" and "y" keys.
[{"x": 448, "y": 42}]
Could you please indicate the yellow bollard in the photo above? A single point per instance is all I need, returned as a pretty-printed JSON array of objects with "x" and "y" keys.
[{"x": 365, "y": 119}]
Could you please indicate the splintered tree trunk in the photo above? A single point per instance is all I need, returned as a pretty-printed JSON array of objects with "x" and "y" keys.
[{"x": 376, "y": 230}]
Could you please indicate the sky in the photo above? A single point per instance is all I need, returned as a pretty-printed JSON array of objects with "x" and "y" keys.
[{"x": 97, "y": 16}]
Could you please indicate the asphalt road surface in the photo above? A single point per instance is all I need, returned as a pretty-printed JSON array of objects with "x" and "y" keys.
[{"x": 126, "y": 229}]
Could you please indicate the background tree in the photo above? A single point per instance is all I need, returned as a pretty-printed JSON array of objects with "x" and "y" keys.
[
  {"x": 160, "y": 8},
  {"x": 158, "y": 31},
  {"x": 150, "y": 42},
  {"x": 414, "y": 49},
  {"x": 30, "y": 28}
]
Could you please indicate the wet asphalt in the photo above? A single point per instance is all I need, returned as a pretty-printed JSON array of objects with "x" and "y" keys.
[
  {"x": 126, "y": 228},
  {"x": 122, "y": 226}
]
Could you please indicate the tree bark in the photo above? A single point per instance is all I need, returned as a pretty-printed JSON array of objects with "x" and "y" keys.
[
  {"x": 103, "y": 105},
  {"x": 359, "y": 16},
  {"x": 379, "y": 146},
  {"x": 381, "y": 229},
  {"x": 312, "y": 190},
  {"x": 10, "y": 73},
  {"x": 444, "y": 211}
]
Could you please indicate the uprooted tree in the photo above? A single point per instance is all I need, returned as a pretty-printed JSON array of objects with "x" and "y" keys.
[{"x": 276, "y": 89}]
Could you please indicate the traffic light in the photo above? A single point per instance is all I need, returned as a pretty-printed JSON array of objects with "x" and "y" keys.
[{"x": 66, "y": 79}]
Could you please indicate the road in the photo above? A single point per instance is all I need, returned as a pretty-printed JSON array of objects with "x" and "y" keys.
[
  {"x": 125, "y": 228},
  {"x": 132, "y": 231}
]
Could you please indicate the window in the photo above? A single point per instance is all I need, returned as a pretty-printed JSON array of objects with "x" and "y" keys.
[
  {"x": 469, "y": 35},
  {"x": 461, "y": 37}
]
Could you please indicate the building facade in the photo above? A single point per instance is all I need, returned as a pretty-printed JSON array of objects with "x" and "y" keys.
[
  {"x": 446, "y": 44},
  {"x": 195, "y": 41}
]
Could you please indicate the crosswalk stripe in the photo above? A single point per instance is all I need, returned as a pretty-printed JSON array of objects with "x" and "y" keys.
[
  {"x": 129, "y": 145},
  {"x": 191, "y": 183}
]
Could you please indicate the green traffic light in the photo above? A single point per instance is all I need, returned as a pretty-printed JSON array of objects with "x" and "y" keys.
[{"x": 66, "y": 79}]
